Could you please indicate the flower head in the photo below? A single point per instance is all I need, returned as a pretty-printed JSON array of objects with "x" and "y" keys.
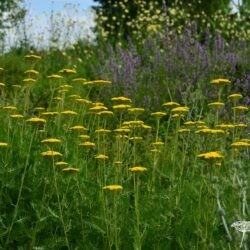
[
  {"x": 138, "y": 169},
  {"x": 51, "y": 153},
  {"x": 113, "y": 187}
]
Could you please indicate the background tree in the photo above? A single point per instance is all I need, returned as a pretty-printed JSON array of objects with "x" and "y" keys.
[
  {"x": 11, "y": 13},
  {"x": 128, "y": 18}
]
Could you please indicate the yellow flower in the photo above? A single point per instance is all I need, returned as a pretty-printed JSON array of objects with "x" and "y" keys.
[
  {"x": 210, "y": 131},
  {"x": 121, "y": 107},
  {"x": 79, "y": 80},
  {"x": 105, "y": 113},
  {"x": 158, "y": 114},
  {"x": 240, "y": 125},
  {"x": 113, "y": 187},
  {"x": 216, "y": 104},
  {"x": 177, "y": 115},
  {"x": 184, "y": 130},
  {"x": 82, "y": 100},
  {"x": 50, "y": 113},
  {"x": 39, "y": 108},
  {"x": 225, "y": 126},
  {"x": 68, "y": 71},
  {"x": 54, "y": 76},
  {"x": 240, "y": 108},
  {"x": 71, "y": 170},
  {"x": 171, "y": 104},
  {"x": 16, "y": 116},
  {"x": 146, "y": 126},
  {"x": 78, "y": 128},
  {"x": 2, "y": 84},
  {"x": 214, "y": 155},
  {"x": 31, "y": 71},
  {"x": 1, "y": 69},
  {"x": 220, "y": 81},
  {"x": 180, "y": 109},
  {"x": 118, "y": 162},
  {"x": 235, "y": 97},
  {"x": 135, "y": 138},
  {"x": 158, "y": 143},
  {"x": 97, "y": 83},
  {"x": 84, "y": 137},
  {"x": 16, "y": 86},
  {"x": 69, "y": 112},
  {"x": 36, "y": 120},
  {"x": 102, "y": 131},
  {"x": 51, "y": 153},
  {"x": 136, "y": 110},
  {"x": 189, "y": 123},
  {"x": 10, "y": 108},
  {"x": 51, "y": 140},
  {"x": 29, "y": 80},
  {"x": 240, "y": 144},
  {"x": 121, "y": 99},
  {"x": 3, "y": 144},
  {"x": 32, "y": 56},
  {"x": 101, "y": 157},
  {"x": 87, "y": 144},
  {"x": 61, "y": 163},
  {"x": 57, "y": 98},
  {"x": 122, "y": 130},
  {"x": 137, "y": 169},
  {"x": 98, "y": 108},
  {"x": 74, "y": 96}
]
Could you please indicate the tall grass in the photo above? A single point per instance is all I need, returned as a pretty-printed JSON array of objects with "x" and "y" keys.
[{"x": 58, "y": 169}]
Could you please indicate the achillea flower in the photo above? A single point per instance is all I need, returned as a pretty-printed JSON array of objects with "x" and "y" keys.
[
  {"x": 67, "y": 71},
  {"x": 36, "y": 120},
  {"x": 65, "y": 86},
  {"x": 113, "y": 187},
  {"x": 171, "y": 104},
  {"x": 61, "y": 163},
  {"x": 39, "y": 108},
  {"x": 87, "y": 144},
  {"x": 200, "y": 123},
  {"x": 180, "y": 109},
  {"x": 121, "y": 107},
  {"x": 235, "y": 97},
  {"x": 50, "y": 113},
  {"x": 101, "y": 157},
  {"x": 122, "y": 130},
  {"x": 29, "y": 80},
  {"x": 216, "y": 104},
  {"x": 32, "y": 56},
  {"x": 105, "y": 113},
  {"x": 118, "y": 162},
  {"x": 31, "y": 71},
  {"x": 158, "y": 143},
  {"x": 16, "y": 116},
  {"x": 135, "y": 138},
  {"x": 145, "y": 126},
  {"x": 71, "y": 170},
  {"x": 84, "y": 137},
  {"x": 83, "y": 101},
  {"x": 225, "y": 126},
  {"x": 138, "y": 169},
  {"x": 97, "y": 83},
  {"x": 1, "y": 69},
  {"x": 102, "y": 131},
  {"x": 54, "y": 76},
  {"x": 69, "y": 112},
  {"x": 183, "y": 130},
  {"x": 189, "y": 123},
  {"x": 98, "y": 108},
  {"x": 3, "y": 144},
  {"x": 74, "y": 96},
  {"x": 51, "y": 140},
  {"x": 78, "y": 128},
  {"x": 158, "y": 114},
  {"x": 240, "y": 125},
  {"x": 240, "y": 144},
  {"x": 121, "y": 99},
  {"x": 133, "y": 124},
  {"x": 177, "y": 116},
  {"x": 210, "y": 131},
  {"x": 213, "y": 155},
  {"x": 121, "y": 137},
  {"x": 79, "y": 79},
  {"x": 154, "y": 150},
  {"x": 220, "y": 81},
  {"x": 240, "y": 108},
  {"x": 2, "y": 84},
  {"x": 136, "y": 111},
  {"x": 98, "y": 104},
  {"x": 16, "y": 86},
  {"x": 10, "y": 108},
  {"x": 50, "y": 153}
]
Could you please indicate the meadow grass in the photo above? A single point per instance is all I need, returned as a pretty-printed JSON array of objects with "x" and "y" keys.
[{"x": 79, "y": 173}]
